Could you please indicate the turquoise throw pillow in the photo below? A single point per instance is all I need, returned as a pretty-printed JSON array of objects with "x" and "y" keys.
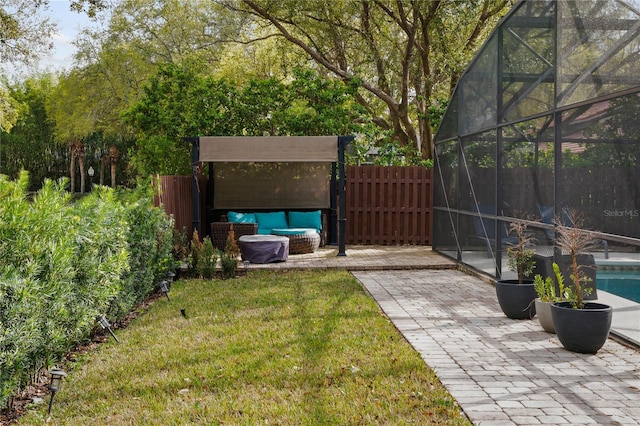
[
  {"x": 268, "y": 221},
  {"x": 236, "y": 217},
  {"x": 306, "y": 220}
]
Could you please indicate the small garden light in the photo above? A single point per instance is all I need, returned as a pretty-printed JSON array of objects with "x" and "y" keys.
[
  {"x": 171, "y": 276},
  {"x": 102, "y": 320},
  {"x": 56, "y": 382},
  {"x": 91, "y": 172},
  {"x": 164, "y": 288}
]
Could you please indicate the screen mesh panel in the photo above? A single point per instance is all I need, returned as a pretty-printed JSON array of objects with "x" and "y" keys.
[
  {"x": 272, "y": 185},
  {"x": 544, "y": 121}
]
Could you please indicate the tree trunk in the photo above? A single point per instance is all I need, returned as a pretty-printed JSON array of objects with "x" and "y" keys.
[
  {"x": 104, "y": 160},
  {"x": 81, "y": 163},
  {"x": 113, "y": 154},
  {"x": 72, "y": 167}
]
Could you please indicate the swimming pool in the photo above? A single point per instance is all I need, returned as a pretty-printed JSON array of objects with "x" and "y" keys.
[{"x": 621, "y": 282}]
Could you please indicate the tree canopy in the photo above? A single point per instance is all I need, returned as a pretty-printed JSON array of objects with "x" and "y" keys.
[
  {"x": 160, "y": 70},
  {"x": 407, "y": 55},
  {"x": 178, "y": 102},
  {"x": 24, "y": 32}
]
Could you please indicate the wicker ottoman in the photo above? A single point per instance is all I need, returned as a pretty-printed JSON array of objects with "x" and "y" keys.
[{"x": 301, "y": 240}]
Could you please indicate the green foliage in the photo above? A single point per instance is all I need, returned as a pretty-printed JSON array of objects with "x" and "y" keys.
[
  {"x": 392, "y": 154},
  {"x": 375, "y": 146},
  {"x": 180, "y": 101},
  {"x": 574, "y": 240},
  {"x": 195, "y": 253},
  {"x": 150, "y": 242},
  {"x": 229, "y": 258},
  {"x": 8, "y": 109},
  {"x": 180, "y": 245},
  {"x": 64, "y": 263},
  {"x": 209, "y": 259},
  {"x": 406, "y": 55},
  {"x": 546, "y": 288},
  {"x": 24, "y": 30},
  {"x": 520, "y": 254},
  {"x": 30, "y": 144}
]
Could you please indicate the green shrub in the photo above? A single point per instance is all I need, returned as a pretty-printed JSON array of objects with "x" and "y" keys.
[
  {"x": 180, "y": 245},
  {"x": 150, "y": 240},
  {"x": 195, "y": 254},
  {"x": 208, "y": 259},
  {"x": 229, "y": 258},
  {"x": 64, "y": 263}
]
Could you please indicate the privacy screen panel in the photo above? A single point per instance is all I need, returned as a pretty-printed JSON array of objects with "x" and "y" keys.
[{"x": 271, "y": 185}]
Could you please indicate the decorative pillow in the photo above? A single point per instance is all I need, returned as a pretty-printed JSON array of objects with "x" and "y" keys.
[
  {"x": 311, "y": 220},
  {"x": 236, "y": 217},
  {"x": 268, "y": 221}
]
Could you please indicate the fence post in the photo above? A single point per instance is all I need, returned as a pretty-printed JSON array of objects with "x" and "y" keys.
[{"x": 195, "y": 158}]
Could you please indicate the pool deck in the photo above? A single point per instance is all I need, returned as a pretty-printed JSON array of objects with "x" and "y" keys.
[
  {"x": 625, "y": 323},
  {"x": 626, "y": 313},
  {"x": 500, "y": 371}
]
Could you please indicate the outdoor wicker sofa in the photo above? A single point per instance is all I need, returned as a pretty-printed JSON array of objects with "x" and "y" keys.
[{"x": 306, "y": 230}]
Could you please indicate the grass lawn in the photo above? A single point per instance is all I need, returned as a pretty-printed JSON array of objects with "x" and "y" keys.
[{"x": 284, "y": 348}]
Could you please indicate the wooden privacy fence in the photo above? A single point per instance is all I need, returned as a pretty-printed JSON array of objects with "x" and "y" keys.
[
  {"x": 388, "y": 205},
  {"x": 176, "y": 195},
  {"x": 384, "y": 206}
]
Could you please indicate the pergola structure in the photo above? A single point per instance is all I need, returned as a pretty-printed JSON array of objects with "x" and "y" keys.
[
  {"x": 544, "y": 120},
  {"x": 274, "y": 172}
]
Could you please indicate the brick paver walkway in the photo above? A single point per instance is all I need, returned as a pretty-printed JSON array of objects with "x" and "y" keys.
[{"x": 503, "y": 371}]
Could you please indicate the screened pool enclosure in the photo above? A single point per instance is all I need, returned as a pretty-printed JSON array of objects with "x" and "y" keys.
[{"x": 546, "y": 119}]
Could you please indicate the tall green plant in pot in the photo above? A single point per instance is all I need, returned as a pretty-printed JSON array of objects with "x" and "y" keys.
[
  {"x": 548, "y": 293},
  {"x": 516, "y": 297},
  {"x": 581, "y": 326}
]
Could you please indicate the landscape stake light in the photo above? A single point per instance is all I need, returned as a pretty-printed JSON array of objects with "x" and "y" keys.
[
  {"x": 56, "y": 382},
  {"x": 91, "y": 172},
  {"x": 164, "y": 288},
  {"x": 102, "y": 320},
  {"x": 171, "y": 276}
]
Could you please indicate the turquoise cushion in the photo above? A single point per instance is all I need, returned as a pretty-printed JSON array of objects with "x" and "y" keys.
[
  {"x": 236, "y": 217},
  {"x": 268, "y": 221},
  {"x": 306, "y": 220},
  {"x": 293, "y": 231}
]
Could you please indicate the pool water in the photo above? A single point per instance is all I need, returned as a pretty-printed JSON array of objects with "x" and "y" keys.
[{"x": 623, "y": 283}]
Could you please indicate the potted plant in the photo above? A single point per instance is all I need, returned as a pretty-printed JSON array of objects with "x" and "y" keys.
[
  {"x": 548, "y": 293},
  {"x": 582, "y": 326},
  {"x": 516, "y": 297}
]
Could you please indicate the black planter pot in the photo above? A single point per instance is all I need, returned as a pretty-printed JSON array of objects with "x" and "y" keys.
[
  {"x": 582, "y": 330},
  {"x": 516, "y": 300}
]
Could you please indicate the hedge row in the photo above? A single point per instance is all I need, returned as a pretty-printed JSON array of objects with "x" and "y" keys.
[{"x": 64, "y": 262}]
